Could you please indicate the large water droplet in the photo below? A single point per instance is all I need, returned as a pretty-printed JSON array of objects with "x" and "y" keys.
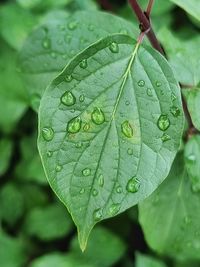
[
  {"x": 127, "y": 129},
  {"x": 46, "y": 43},
  {"x": 82, "y": 98},
  {"x": 133, "y": 185},
  {"x": 72, "y": 25},
  {"x": 74, "y": 125},
  {"x": 68, "y": 78},
  {"x": 98, "y": 116},
  {"x": 175, "y": 111},
  {"x": 165, "y": 137},
  {"x": 97, "y": 215},
  {"x": 114, "y": 209},
  {"x": 68, "y": 99},
  {"x": 94, "y": 192},
  {"x": 83, "y": 64},
  {"x": 141, "y": 83},
  {"x": 101, "y": 180},
  {"x": 47, "y": 133},
  {"x": 163, "y": 122},
  {"x": 114, "y": 47},
  {"x": 86, "y": 172}
]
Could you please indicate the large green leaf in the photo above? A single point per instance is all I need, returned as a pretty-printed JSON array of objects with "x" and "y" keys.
[
  {"x": 51, "y": 46},
  {"x": 192, "y": 97},
  {"x": 5, "y": 154},
  {"x": 190, "y": 6},
  {"x": 148, "y": 261},
  {"x": 109, "y": 128},
  {"x": 43, "y": 5},
  {"x": 170, "y": 218}
]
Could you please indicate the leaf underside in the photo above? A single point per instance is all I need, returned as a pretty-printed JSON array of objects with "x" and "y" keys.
[{"x": 104, "y": 152}]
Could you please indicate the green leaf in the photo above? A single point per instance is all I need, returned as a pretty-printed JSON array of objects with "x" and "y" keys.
[
  {"x": 97, "y": 255},
  {"x": 182, "y": 57},
  {"x": 15, "y": 24},
  {"x": 170, "y": 218},
  {"x": 159, "y": 8},
  {"x": 192, "y": 7},
  {"x": 107, "y": 137},
  {"x": 192, "y": 161},
  {"x": 48, "y": 223},
  {"x": 6, "y": 147},
  {"x": 192, "y": 97},
  {"x": 147, "y": 261},
  {"x": 13, "y": 101},
  {"x": 43, "y": 5},
  {"x": 30, "y": 167},
  {"x": 49, "y": 48},
  {"x": 83, "y": 5},
  {"x": 11, "y": 204},
  {"x": 12, "y": 251}
]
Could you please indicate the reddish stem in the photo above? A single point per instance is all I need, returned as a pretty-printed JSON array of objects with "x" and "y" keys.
[{"x": 149, "y": 7}]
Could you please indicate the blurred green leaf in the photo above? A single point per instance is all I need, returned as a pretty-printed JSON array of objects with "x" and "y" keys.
[
  {"x": 160, "y": 7},
  {"x": 43, "y": 5},
  {"x": 148, "y": 261},
  {"x": 170, "y": 218},
  {"x": 77, "y": 5},
  {"x": 192, "y": 97},
  {"x": 6, "y": 147},
  {"x": 49, "y": 222}
]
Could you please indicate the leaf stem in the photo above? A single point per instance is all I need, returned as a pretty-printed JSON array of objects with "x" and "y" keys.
[
  {"x": 145, "y": 24},
  {"x": 149, "y": 8}
]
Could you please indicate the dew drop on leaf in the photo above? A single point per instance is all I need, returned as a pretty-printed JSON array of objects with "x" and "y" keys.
[
  {"x": 86, "y": 127},
  {"x": 94, "y": 192},
  {"x": 79, "y": 144},
  {"x": 149, "y": 92},
  {"x": 175, "y": 111},
  {"x": 82, "y": 98},
  {"x": 127, "y": 103},
  {"x": 53, "y": 54},
  {"x": 83, "y": 64},
  {"x": 86, "y": 172},
  {"x": 68, "y": 99},
  {"x": 68, "y": 78},
  {"x": 141, "y": 83},
  {"x": 158, "y": 84},
  {"x": 82, "y": 191},
  {"x": 114, "y": 209},
  {"x": 114, "y": 47},
  {"x": 98, "y": 116},
  {"x": 191, "y": 158},
  {"x": 101, "y": 180},
  {"x": 133, "y": 185},
  {"x": 119, "y": 189},
  {"x": 72, "y": 25},
  {"x": 97, "y": 215},
  {"x": 74, "y": 125},
  {"x": 127, "y": 130},
  {"x": 47, "y": 133},
  {"x": 58, "y": 168},
  {"x": 49, "y": 154},
  {"x": 130, "y": 151},
  {"x": 163, "y": 122},
  {"x": 165, "y": 137},
  {"x": 46, "y": 43}
]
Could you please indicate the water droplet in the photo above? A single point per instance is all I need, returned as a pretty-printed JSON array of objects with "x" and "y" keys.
[
  {"x": 82, "y": 191},
  {"x": 53, "y": 54},
  {"x": 165, "y": 137},
  {"x": 127, "y": 129},
  {"x": 141, "y": 83},
  {"x": 79, "y": 144},
  {"x": 97, "y": 215},
  {"x": 173, "y": 97},
  {"x": 119, "y": 189},
  {"x": 123, "y": 31},
  {"x": 68, "y": 78},
  {"x": 94, "y": 192},
  {"x": 74, "y": 125},
  {"x": 83, "y": 64},
  {"x": 47, "y": 133},
  {"x": 158, "y": 84},
  {"x": 149, "y": 92},
  {"x": 86, "y": 127},
  {"x": 114, "y": 209},
  {"x": 58, "y": 168},
  {"x": 133, "y": 185},
  {"x": 72, "y": 25},
  {"x": 86, "y": 172},
  {"x": 68, "y": 99},
  {"x": 130, "y": 151},
  {"x": 114, "y": 47},
  {"x": 82, "y": 98},
  {"x": 101, "y": 180},
  {"x": 91, "y": 27},
  {"x": 175, "y": 111},
  {"x": 98, "y": 116},
  {"x": 49, "y": 154},
  {"x": 191, "y": 158},
  {"x": 163, "y": 122},
  {"x": 46, "y": 43},
  {"x": 127, "y": 103}
]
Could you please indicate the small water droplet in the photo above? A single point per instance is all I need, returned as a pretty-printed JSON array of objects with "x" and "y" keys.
[
  {"x": 72, "y": 25},
  {"x": 46, "y": 43},
  {"x": 94, "y": 192},
  {"x": 79, "y": 144},
  {"x": 98, "y": 116},
  {"x": 119, "y": 189},
  {"x": 49, "y": 154},
  {"x": 74, "y": 125},
  {"x": 47, "y": 133},
  {"x": 175, "y": 111},
  {"x": 97, "y": 214},
  {"x": 158, "y": 84},
  {"x": 123, "y": 31},
  {"x": 130, "y": 151},
  {"x": 127, "y": 129},
  {"x": 53, "y": 54},
  {"x": 101, "y": 180},
  {"x": 86, "y": 172},
  {"x": 163, "y": 122},
  {"x": 91, "y": 27},
  {"x": 114, "y": 47},
  {"x": 114, "y": 209},
  {"x": 149, "y": 92},
  {"x": 133, "y": 185},
  {"x": 86, "y": 127},
  {"x": 68, "y": 78},
  {"x": 58, "y": 168},
  {"x": 82, "y": 98},
  {"x": 141, "y": 83},
  {"x": 165, "y": 137},
  {"x": 127, "y": 103},
  {"x": 68, "y": 99},
  {"x": 83, "y": 64},
  {"x": 82, "y": 191}
]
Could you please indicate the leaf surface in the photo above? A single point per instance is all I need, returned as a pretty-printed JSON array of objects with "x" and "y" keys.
[
  {"x": 148, "y": 261},
  {"x": 5, "y": 154},
  {"x": 192, "y": 7},
  {"x": 107, "y": 133}
]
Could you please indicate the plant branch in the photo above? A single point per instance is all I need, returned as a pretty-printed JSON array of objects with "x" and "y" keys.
[
  {"x": 145, "y": 25},
  {"x": 149, "y": 8}
]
